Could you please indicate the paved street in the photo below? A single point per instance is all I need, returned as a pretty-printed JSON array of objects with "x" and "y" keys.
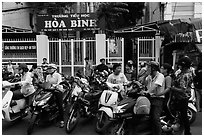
[{"x": 84, "y": 127}]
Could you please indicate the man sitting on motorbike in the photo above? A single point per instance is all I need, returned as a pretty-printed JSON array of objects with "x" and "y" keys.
[
  {"x": 117, "y": 77},
  {"x": 154, "y": 81},
  {"x": 182, "y": 90},
  {"x": 55, "y": 78},
  {"x": 27, "y": 88}
]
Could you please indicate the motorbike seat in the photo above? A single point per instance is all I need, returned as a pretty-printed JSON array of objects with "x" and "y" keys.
[{"x": 94, "y": 95}]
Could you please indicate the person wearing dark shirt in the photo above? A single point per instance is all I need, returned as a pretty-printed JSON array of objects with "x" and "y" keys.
[
  {"x": 101, "y": 67},
  {"x": 182, "y": 89},
  {"x": 198, "y": 86}
]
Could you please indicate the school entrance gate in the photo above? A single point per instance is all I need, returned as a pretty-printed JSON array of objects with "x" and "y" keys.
[{"x": 69, "y": 54}]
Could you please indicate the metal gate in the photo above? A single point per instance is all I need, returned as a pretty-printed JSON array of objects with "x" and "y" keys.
[
  {"x": 146, "y": 49},
  {"x": 69, "y": 54}
]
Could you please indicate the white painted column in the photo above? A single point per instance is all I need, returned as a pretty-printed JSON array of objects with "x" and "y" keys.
[
  {"x": 157, "y": 47},
  {"x": 42, "y": 48},
  {"x": 174, "y": 59},
  {"x": 100, "y": 47}
]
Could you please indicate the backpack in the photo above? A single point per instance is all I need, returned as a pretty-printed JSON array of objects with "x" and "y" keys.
[{"x": 142, "y": 105}]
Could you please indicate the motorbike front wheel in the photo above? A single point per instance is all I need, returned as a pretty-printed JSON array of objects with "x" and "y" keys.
[
  {"x": 191, "y": 115},
  {"x": 32, "y": 123},
  {"x": 72, "y": 120},
  {"x": 117, "y": 129},
  {"x": 102, "y": 122}
]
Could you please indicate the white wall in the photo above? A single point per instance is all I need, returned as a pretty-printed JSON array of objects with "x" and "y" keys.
[
  {"x": 179, "y": 10},
  {"x": 15, "y": 18}
]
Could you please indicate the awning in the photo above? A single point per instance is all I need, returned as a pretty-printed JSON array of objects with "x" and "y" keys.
[
  {"x": 13, "y": 32},
  {"x": 149, "y": 29},
  {"x": 167, "y": 28}
]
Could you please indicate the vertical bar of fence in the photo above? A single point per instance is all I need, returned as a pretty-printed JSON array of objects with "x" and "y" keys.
[
  {"x": 72, "y": 57},
  {"x": 84, "y": 45},
  {"x": 60, "y": 56},
  {"x": 122, "y": 42},
  {"x": 138, "y": 56}
]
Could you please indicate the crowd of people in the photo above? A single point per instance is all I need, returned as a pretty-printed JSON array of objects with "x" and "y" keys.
[{"x": 159, "y": 81}]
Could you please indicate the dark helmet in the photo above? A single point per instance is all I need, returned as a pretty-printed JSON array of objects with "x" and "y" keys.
[
  {"x": 185, "y": 62},
  {"x": 23, "y": 66},
  {"x": 154, "y": 65}
]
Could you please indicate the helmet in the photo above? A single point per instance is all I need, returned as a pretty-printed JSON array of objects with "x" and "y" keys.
[
  {"x": 54, "y": 66},
  {"x": 154, "y": 65},
  {"x": 22, "y": 66},
  {"x": 185, "y": 62}
]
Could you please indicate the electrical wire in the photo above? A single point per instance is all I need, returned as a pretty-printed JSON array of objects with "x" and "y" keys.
[{"x": 174, "y": 10}]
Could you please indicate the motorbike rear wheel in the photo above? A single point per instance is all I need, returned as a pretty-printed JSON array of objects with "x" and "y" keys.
[
  {"x": 32, "y": 124},
  {"x": 72, "y": 120},
  {"x": 102, "y": 122},
  {"x": 191, "y": 115}
]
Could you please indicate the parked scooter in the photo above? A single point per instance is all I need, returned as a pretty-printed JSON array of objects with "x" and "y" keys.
[
  {"x": 192, "y": 110},
  {"x": 171, "y": 123},
  {"x": 107, "y": 102},
  {"x": 44, "y": 108},
  {"x": 134, "y": 106},
  {"x": 84, "y": 103},
  {"x": 12, "y": 110}
]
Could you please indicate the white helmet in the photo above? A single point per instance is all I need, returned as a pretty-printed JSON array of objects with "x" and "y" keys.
[{"x": 54, "y": 66}]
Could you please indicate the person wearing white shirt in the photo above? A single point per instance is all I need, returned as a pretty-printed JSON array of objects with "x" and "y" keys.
[
  {"x": 117, "y": 77},
  {"x": 154, "y": 81},
  {"x": 55, "y": 78},
  {"x": 27, "y": 88}
]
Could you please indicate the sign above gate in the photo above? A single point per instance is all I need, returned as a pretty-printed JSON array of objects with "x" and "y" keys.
[{"x": 67, "y": 22}]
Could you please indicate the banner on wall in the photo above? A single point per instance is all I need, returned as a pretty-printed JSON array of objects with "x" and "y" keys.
[
  {"x": 66, "y": 22},
  {"x": 24, "y": 47}
]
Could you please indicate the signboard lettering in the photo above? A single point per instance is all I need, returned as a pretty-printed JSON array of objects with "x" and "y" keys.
[{"x": 68, "y": 22}]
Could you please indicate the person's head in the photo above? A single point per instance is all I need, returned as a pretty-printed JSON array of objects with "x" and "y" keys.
[
  {"x": 34, "y": 66},
  {"x": 116, "y": 68},
  {"x": 10, "y": 62},
  {"x": 22, "y": 68},
  {"x": 166, "y": 68},
  {"x": 143, "y": 64},
  {"x": 51, "y": 68},
  {"x": 86, "y": 59},
  {"x": 102, "y": 61},
  {"x": 153, "y": 67},
  {"x": 184, "y": 62},
  {"x": 44, "y": 60}
]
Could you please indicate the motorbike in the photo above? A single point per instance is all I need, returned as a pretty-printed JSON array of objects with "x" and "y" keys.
[
  {"x": 134, "y": 106},
  {"x": 12, "y": 110},
  {"x": 84, "y": 103},
  {"x": 192, "y": 110},
  {"x": 107, "y": 102},
  {"x": 44, "y": 108},
  {"x": 171, "y": 123}
]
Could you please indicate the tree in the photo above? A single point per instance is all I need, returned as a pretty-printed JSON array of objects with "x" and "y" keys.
[{"x": 115, "y": 15}]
